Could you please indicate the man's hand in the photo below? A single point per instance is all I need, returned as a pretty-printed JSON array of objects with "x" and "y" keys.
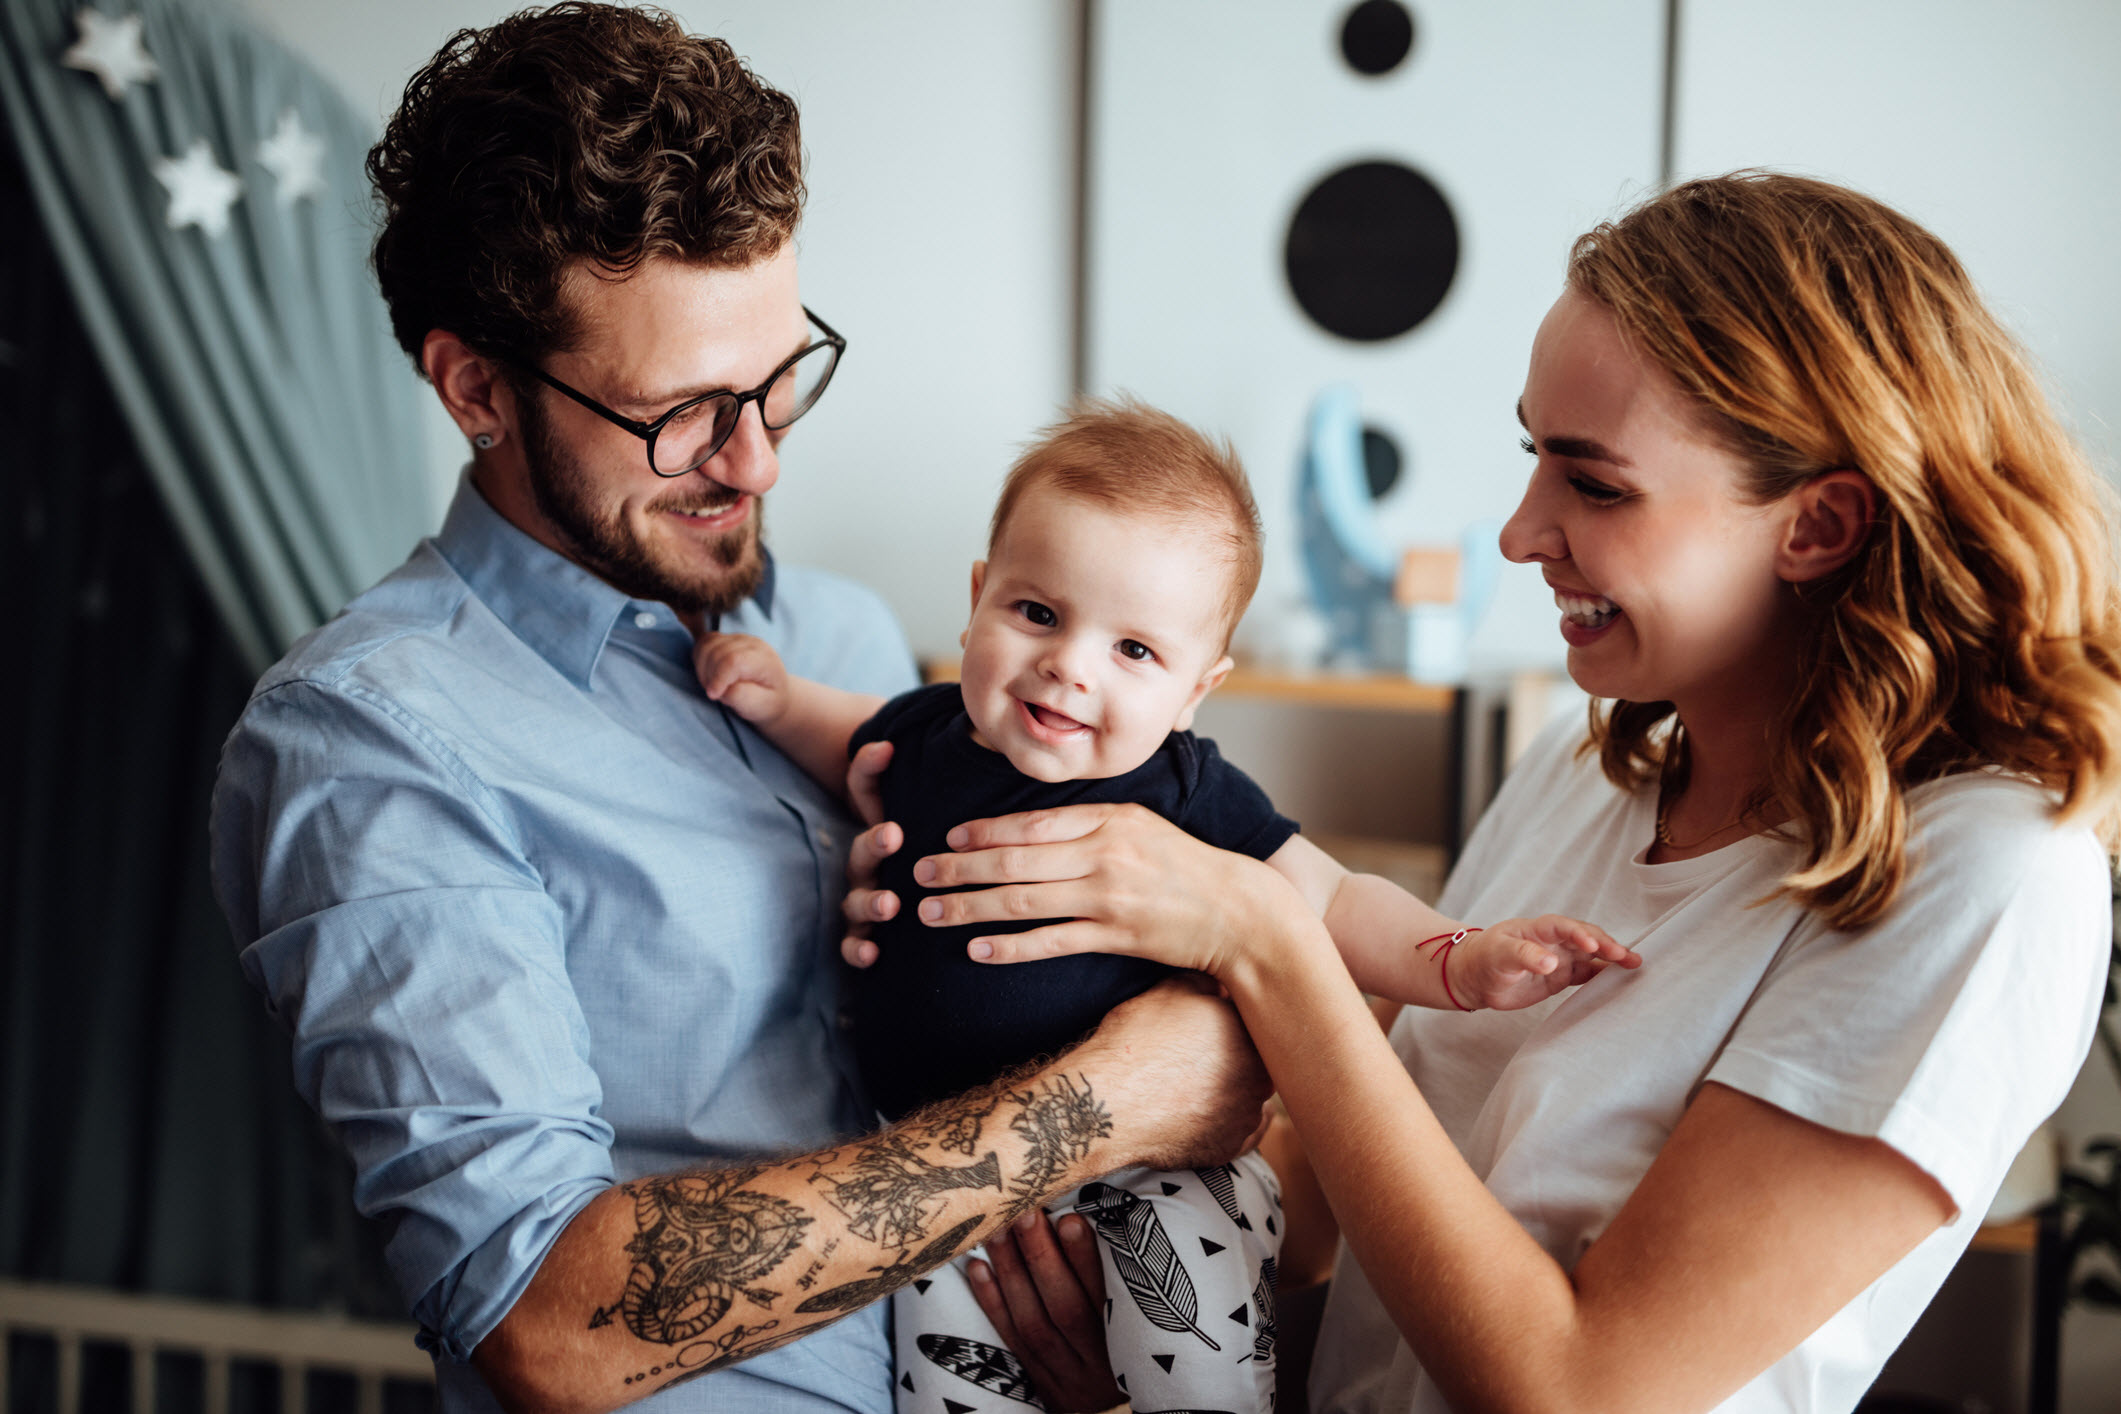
[
  {"x": 1043, "y": 1288},
  {"x": 865, "y": 904},
  {"x": 742, "y": 673}
]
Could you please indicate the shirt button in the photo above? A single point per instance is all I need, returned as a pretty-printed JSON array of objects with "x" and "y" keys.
[
  {"x": 644, "y": 619},
  {"x": 824, "y": 839}
]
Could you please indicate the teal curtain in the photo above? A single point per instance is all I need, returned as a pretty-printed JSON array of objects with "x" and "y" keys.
[
  {"x": 253, "y": 367},
  {"x": 210, "y": 444},
  {"x": 150, "y": 1136}
]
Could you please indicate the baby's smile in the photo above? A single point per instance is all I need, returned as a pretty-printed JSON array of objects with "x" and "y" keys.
[{"x": 1049, "y": 725}]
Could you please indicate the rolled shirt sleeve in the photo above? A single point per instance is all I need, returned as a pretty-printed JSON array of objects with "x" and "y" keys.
[{"x": 404, "y": 938}]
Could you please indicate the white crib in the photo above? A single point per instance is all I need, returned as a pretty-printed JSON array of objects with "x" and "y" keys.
[{"x": 293, "y": 1343}]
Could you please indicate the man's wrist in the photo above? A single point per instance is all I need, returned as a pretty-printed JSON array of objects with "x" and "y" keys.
[{"x": 1095, "y": 1084}]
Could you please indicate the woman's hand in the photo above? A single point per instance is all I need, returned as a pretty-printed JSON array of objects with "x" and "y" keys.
[
  {"x": 865, "y": 903},
  {"x": 1129, "y": 881}
]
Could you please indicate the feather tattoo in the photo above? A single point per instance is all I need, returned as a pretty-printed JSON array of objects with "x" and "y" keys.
[
  {"x": 989, "y": 1366},
  {"x": 1146, "y": 1260},
  {"x": 857, "y": 1294}
]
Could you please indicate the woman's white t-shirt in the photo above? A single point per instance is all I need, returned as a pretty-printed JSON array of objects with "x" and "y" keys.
[{"x": 1949, "y": 1030}]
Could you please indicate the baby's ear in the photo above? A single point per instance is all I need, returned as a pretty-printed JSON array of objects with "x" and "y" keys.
[
  {"x": 1209, "y": 681},
  {"x": 979, "y": 578}
]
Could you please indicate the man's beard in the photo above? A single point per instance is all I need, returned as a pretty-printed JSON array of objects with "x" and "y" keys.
[{"x": 602, "y": 544}]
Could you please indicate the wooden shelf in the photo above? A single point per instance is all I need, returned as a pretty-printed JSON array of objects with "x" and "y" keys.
[
  {"x": 1368, "y": 692},
  {"x": 2017, "y": 1235}
]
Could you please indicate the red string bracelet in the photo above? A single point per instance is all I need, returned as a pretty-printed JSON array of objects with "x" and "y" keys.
[{"x": 1443, "y": 959}]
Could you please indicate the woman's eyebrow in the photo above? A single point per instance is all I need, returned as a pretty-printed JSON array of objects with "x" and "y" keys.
[{"x": 1582, "y": 449}]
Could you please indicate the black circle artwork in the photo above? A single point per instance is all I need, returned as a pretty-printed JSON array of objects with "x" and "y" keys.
[
  {"x": 1371, "y": 251},
  {"x": 1376, "y": 36},
  {"x": 1381, "y": 462}
]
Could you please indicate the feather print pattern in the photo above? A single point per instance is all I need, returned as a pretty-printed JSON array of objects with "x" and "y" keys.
[
  {"x": 1263, "y": 1327},
  {"x": 1221, "y": 1181},
  {"x": 989, "y": 1366},
  {"x": 1146, "y": 1261}
]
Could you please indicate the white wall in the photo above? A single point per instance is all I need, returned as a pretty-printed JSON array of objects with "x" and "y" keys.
[
  {"x": 1998, "y": 128},
  {"x": 1215, "y": 117},
  {"x": 937, "y": 240}
]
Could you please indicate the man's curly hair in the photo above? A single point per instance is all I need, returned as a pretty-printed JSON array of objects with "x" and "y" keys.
[{"x": 577, "y": 132}]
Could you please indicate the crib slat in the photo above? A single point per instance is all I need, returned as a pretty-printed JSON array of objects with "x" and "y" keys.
[
  {"x": 149, "y": 1326},
  {"x": 143, "y": 1377},
  {"x": 69, "y": 1370},
  {"x": 216, "y": 1401}
]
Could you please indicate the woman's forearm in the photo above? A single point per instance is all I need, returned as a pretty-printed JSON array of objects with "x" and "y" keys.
[
  {"x": 1751, "y": 1228},
  {"x": 1488, "y": 1313}
]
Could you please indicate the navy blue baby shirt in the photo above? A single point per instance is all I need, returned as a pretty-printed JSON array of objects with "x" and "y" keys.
[{"x": 928, "y": 1021}]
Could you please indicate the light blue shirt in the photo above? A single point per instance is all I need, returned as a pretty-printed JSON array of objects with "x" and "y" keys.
[{"x": 542, "y": 918}]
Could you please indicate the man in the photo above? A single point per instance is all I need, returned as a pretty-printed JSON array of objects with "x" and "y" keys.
[{"x": 553, "y": 934}]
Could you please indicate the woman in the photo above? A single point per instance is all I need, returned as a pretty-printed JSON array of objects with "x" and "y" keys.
[{"x": 1845, "y": 590}]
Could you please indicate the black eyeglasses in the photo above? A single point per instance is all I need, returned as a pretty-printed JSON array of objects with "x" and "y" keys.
[{"x": 687, "y": 437}]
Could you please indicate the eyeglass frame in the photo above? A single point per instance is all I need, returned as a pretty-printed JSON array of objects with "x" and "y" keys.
[{"x": 648, "y": 431}]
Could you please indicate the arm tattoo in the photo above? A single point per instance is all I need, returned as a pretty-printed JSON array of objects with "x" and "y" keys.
[
  {"x": 1058, "y": 1121},
  {"x": 891, "y": 1189},
  {"x": 857, "y": 1294},
  {"x": 702, "y": 1240},
  {"x": 698, "y": 1240}
]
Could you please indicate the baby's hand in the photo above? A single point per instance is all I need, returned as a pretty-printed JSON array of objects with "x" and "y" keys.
[
  {"x": 1520, "y": 961},
  {"x": 743, "y": 674}
]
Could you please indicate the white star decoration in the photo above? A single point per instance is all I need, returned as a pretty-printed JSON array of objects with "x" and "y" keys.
[
  {"x": 200, "y": 189},
  {"x": 111, "y": 50},
  {"x": 292, "y": 154}
]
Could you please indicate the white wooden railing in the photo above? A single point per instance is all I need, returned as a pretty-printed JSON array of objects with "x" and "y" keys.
[{"x": 292, "y": 1342}]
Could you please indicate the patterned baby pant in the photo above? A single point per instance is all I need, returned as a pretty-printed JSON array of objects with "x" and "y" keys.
[{"x": 1189, "y": 1300}]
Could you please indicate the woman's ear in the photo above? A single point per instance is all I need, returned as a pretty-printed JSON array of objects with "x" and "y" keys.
[{"x": 1830, "y": 520}]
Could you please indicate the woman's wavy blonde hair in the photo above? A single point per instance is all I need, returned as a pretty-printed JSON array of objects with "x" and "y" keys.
[{"x": 1816, "y": 329}]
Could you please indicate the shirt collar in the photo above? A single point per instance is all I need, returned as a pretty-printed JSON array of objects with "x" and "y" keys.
[{"x": 563, "y": 611}]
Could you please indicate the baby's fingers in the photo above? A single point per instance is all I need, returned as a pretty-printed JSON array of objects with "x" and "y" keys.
[
  {"x": 1585, "y": 938},
  {"x": 1536, "y": 958}
]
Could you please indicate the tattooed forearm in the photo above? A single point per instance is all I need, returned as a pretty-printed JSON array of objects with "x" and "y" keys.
[
  {"x": 957, "y": 1127},
  {"x": 856, "y": 1294},
  {"x": 890, "y": 1193},
  {"x": 698, "y": 1241},
  {"x": 702, "y": 1241},
  {"x": 1059, "y": 1121}
]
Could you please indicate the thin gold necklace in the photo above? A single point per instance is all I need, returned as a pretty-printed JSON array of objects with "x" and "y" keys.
[{"x": 1664, "y": 825}]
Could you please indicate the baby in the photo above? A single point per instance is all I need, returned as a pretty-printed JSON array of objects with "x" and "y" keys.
[{"x": 1123, "y": 551}]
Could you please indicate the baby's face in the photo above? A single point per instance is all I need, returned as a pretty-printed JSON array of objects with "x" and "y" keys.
[{"x": 1094, "y": 635}]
